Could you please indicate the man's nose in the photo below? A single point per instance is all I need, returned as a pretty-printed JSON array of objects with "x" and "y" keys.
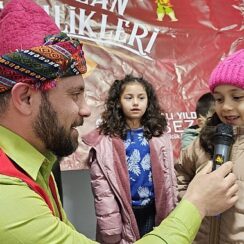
[{"x": 84, "y": 110}]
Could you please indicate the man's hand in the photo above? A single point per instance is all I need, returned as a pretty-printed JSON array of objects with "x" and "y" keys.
[{"x": 213, "y": 193}]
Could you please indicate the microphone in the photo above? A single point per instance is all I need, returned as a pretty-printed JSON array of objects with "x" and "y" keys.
[{"x": 222, "y": 140}]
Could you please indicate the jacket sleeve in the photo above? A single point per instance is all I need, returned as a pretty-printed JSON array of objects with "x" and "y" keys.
[
  {"x": 189, "y": 161},
  {"x": 109, "y": 222},
  {"x": 181, "y": 226},
  {"x": 171, "y": 181}
]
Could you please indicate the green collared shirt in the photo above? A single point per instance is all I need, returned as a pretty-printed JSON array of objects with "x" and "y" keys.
[
  {"x": 24, "y": 215},
  {"x": 26, "y": 219}
]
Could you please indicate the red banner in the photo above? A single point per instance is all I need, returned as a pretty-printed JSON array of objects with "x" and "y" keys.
[{"x": 173, "y": 44}]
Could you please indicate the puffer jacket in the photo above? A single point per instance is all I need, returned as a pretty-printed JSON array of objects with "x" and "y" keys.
[
  {"x": 228, "y": 227},
  {"x": 116, "y": 222}
]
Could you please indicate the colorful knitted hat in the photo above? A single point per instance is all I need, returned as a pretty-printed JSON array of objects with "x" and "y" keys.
[
  {"x": 32, "y": 48},
  {"x": 229, "y": 72}
]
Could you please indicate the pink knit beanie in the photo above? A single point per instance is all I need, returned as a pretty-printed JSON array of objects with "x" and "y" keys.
[
  {"x": 23, "y": 25},
  {"x": 230, "y": 71},
  {"x": 33, "y": 50}
]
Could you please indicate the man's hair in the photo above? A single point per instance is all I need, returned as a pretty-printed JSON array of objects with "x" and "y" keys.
[
  {"x": 204, "y": 104},
  {"x": 4, "y": 101}
]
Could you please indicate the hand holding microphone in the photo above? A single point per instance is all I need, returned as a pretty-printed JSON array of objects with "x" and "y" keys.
[
  {"x": 215, "y": 192},
  {"x": 223, "y": 140}
]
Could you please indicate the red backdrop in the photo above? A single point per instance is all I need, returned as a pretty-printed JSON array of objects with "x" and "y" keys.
[{"x": 122, "y": 37}]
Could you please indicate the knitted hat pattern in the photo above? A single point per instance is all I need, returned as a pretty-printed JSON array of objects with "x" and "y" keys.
[
  {"x": 230, "y": 71},
  {"x": 33, "y": 50}
]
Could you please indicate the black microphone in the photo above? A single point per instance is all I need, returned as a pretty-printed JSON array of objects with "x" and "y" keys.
[{"x": 222, "y": 140}]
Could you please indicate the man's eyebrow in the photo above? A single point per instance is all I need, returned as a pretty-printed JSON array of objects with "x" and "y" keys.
[{"x": 76, "y": 89}]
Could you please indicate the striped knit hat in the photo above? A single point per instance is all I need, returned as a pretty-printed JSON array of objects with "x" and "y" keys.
[
  {"x": 229, "y": 72},
  {"x": 32, "y": 48}
]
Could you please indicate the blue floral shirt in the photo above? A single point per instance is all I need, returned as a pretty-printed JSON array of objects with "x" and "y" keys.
[{"x": 139, "y": 167}]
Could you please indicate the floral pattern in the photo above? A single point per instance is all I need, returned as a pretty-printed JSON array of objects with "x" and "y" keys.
[{"x": 139, "y": 167}]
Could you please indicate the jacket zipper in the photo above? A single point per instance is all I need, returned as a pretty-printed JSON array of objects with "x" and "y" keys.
[{"x": 214, "y": 230}]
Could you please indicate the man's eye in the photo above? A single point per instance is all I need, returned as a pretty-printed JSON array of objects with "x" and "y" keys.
[{"x": 76, "y": 95}]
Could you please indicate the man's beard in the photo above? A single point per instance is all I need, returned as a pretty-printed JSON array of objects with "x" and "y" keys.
[{"x": 48, "y": 129}]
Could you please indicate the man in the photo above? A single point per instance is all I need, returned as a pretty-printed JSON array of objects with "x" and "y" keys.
[{"x": 41, "y": 103}]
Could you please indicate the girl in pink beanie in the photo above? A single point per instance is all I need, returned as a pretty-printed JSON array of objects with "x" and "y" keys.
[{"x": 227, "y": 86}]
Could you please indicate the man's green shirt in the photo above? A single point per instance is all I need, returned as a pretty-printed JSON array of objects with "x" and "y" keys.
[{"x": 25, "y": 217}]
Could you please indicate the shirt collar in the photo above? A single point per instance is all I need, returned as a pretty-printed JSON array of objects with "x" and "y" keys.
[{"x": 23, "y": 153}]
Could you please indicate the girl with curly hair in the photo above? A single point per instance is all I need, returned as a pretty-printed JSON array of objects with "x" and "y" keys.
[{"x": 131, "y": 163}]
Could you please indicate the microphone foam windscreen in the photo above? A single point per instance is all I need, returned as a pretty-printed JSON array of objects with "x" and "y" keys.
[
  {"x": 224, "y": 129},
  {"x": 224, "y": 134}
]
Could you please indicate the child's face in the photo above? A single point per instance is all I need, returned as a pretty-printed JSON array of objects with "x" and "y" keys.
[
  {"x": 133, "y": 102},
  {"x": 229, "y": 104}
]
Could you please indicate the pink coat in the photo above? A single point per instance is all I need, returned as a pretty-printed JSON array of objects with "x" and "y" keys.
[{"x": 116, "y": 222}]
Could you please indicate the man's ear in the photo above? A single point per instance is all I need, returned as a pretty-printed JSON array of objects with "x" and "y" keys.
[{"x": 22, "y": 97}]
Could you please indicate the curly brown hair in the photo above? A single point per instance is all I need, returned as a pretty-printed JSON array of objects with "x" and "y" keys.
[{"x": 113, "y": 121}]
